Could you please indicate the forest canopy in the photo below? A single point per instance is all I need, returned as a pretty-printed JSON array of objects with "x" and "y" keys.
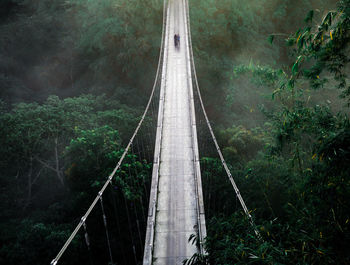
[{"x": 75, "y": 76}]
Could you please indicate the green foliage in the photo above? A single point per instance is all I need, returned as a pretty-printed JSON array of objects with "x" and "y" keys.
[
  {"x": 260, "y": 75},
  {"x": 35, "y": 136},
  {"x": 91, "y": 154},
  {"x": 56, "y": 156},
  {"x": 229, "y": 247},
  {"x": 322, "y": 50},
  {"x": 7, "y": 7},
  {"x": 301, "y": 216},
  {"x": 249, "y": 95},
  {"x": 228, "y": 33},
  {"x": 36, "y": 237},
  {"x": 132, "y": 177},
  {"x": 240, "y": 145},
  {"x": 295, "y": 176},
  {"x": 28, "y": 50},
  {"x": 78, "y": 46},
  {"x": 289, "y": 156},
  {"x": 309, "y": 16},
  {"x": 121, "y": 38}
]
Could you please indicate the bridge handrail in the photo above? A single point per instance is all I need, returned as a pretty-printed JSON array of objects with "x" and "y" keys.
[
  {"x": 229, "y": 175},
  {"x": 202, "y": 233},
  {"x": 108, "y": 181},
  {"x": 148, "y": 249}
]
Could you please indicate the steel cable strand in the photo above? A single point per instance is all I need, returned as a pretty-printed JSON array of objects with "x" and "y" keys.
[
  {"x": 130, "y": 229},
  {"x": 149, "y": 239},
  {"x": 137, "y": 174},
  {"x": 113, "y": 197},
  {"x": 77, "y": 228},
  {"x": 106, "y": 229},
  {"x": 133, "y": 204},
  {"x": 197, "y": 177},
  {"x": 87, "y": 242},
  {"x": 150, "y": 150},
  {"x": 149, "y": 133},
  {"x": 138, "y": 225},
  {"x": 238, "y": 194}
]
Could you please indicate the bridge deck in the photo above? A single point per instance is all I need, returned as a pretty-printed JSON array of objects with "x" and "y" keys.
[{"x": 176, "y": 212}]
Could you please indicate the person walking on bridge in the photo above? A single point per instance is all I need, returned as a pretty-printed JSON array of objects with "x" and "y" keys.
[{"x": 177, "y": 40}]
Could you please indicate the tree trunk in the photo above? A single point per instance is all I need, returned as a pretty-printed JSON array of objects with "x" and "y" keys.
[
  {"x": 58, "y": 170},
  {"x": 29, "y": 183}
]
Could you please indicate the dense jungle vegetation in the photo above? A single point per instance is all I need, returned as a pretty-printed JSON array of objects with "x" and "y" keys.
[{"x": 75, "y": 76}]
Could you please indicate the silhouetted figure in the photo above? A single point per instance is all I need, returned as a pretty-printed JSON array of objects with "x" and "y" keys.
[{"x": 175, "y": 40}]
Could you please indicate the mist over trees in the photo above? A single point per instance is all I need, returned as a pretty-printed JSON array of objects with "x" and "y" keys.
[
  {"x": 72, "y": 47},
  {"x": 75, "y": 76}
]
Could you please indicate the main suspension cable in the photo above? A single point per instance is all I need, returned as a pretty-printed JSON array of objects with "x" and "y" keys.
[
  {"x": 229, "y": 175},
  {"x": 100, "y": 193}
]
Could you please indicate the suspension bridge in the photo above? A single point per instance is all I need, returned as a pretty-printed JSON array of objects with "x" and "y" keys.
[{"x": 176, "y": 205}]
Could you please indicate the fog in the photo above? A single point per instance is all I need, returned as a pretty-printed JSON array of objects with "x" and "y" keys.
[{"x": 75, "y": 76}]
